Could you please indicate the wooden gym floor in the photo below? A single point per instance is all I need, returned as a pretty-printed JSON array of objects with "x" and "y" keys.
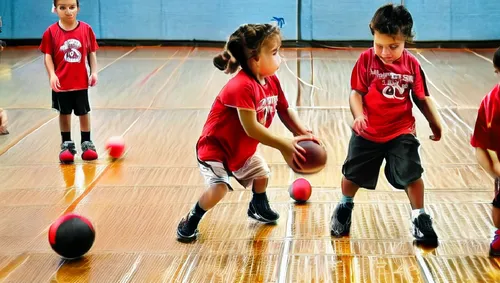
[{"x": 158, "y": 99}]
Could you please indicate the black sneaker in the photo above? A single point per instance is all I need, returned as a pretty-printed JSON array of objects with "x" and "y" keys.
[
  {"x": 261, "y": 211},
  {"x": 422, "y": 229},
  {"x": 187, "y": 232},
  {"x": 341, "y": 219}
]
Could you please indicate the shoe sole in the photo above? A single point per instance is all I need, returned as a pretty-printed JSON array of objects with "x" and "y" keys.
[
  {"x": 494, "y": 253},
  {"x": 333, "y": 234},
  {"x": 261, "y": 219},
  {"x": 186, "y": 239},
  {"x": 431, "y": 242}
]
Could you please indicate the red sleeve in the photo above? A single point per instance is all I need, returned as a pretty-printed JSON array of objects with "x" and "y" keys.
[
  {"x": 419, "y": 88},
  {"x": 282, "y": 101},
  {"x": 92, "y": 41},
  {"x": 359, "y": 76},
  {"x": 480, "y": 134},
  {"x": 239, "y": 96},
  {"x": 46, "y": 46}
]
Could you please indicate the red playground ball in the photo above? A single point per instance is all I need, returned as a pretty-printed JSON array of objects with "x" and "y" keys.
[
  {"x": 71, "y": 236},
  {"x": 115, "y": 146},
  {"x": 300, "y": 190},
  {"x": 315, "y": 158}
]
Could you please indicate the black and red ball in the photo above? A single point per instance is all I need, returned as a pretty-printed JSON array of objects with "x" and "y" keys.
[{"x": 71, "y": 236}]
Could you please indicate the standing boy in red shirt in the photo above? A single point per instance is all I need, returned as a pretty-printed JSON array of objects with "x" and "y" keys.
[
  {"x": 384, "y": 126},
  {"x": 67, "y": 45},
  {"x": 486, "y": 140}
]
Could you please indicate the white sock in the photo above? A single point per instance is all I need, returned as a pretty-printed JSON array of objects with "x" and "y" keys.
[{"x": 416, "y": 212}]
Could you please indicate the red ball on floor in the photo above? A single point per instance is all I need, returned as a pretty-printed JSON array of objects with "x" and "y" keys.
[
  {"x": 300, "y": 190},
  {"x": 115, "y": 146}
]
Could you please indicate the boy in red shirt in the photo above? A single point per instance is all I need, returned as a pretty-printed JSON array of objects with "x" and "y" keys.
[
  {"x": 384, "y": 126},
  {"x": 67, "y": 45},
  {"x": 239, "y": 121},
  {"x": 486, "y": 140}
]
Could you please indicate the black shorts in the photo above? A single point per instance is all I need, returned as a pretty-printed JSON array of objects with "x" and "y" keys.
[
  {"x": 364, "y": 158},
  {"x": 69, "y": 101}
]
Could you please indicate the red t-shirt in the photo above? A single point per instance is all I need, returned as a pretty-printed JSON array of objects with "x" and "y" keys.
[
  {"x": 387, "y": 105},
  {"x": 223, "y": 138},
  {"x": 487, "y": 130},
  {"x": 69, "y": 50}
]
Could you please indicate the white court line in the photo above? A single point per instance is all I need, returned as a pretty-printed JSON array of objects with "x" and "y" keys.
[
  {"x": 425, "y": 59},
  {"x": 447, "y": 96},
  {"x": 26, "y": 63},
  {"x": 114, "y": 61},
  {"x": 480, "y": 56}
]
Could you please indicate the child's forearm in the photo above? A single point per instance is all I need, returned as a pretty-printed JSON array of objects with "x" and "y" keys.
[
  {"x": 356, "y": 104},
  {"x": 426, "y": 106},
  {"x": 256, "y": 131},
  {"x": 49, "y": 65},
  {"x": 93, "y": 63},
  {"x": 290, "y": 119}
]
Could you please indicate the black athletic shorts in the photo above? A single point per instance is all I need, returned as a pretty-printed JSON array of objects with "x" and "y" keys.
[
  {"x": 69, "y": 101},
  {"x": 364, "y": 158}
]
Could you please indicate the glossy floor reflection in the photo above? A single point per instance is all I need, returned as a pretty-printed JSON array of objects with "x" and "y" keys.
[{"x": 158, "y": 99}]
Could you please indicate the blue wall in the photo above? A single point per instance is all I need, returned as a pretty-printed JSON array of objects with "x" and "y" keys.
[{"x": 440, "y": 20}]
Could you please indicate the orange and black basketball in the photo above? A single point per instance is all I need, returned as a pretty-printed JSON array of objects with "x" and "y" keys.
[{"x": 71, "y": 236}]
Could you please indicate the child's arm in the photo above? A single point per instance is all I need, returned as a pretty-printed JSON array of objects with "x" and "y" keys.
[
  {"x": 356, "y": 105},
  {"x": 54, "y": 80},
  {"x": 426, "y": 106},
  {"x": 290, "y": 119},
  {"x": 93, "y": 69},
  {"x": 291, "y": 151}
]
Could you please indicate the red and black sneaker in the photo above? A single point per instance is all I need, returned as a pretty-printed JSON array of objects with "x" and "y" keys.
[
  {"x": 88, "y": 151},
  {"x": 68, "y": 151}
]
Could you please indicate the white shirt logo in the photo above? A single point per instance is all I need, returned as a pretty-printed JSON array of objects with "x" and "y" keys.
[
  {"x": 266, "y": 108},
  {"x": 70, "y": 49}
]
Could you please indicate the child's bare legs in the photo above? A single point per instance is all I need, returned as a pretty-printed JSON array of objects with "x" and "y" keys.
[
  {"x": 85, "y": 123},
  {"x": 212, "y": 196},
  {"x": 489, "y": 162},
  {"x": 415, "y": 192},
  {"x": 65, "y": 124},
  {"x": 187, "y": 230},
  {"x": 349, "y": 189},
  {"x": 216, "y": 193}
]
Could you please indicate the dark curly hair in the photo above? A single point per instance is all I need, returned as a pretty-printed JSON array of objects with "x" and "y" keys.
[
  {"x": 496, "y": 59},
  {"x": 393, "y": 20}
]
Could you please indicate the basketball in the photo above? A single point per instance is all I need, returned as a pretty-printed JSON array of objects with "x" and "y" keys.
[
  {"x": 71, "y": 236},
  {"x": 300, "y": 190},
  {"x": 115, "y": 146},
  {"x": 315, "y": 158}
]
